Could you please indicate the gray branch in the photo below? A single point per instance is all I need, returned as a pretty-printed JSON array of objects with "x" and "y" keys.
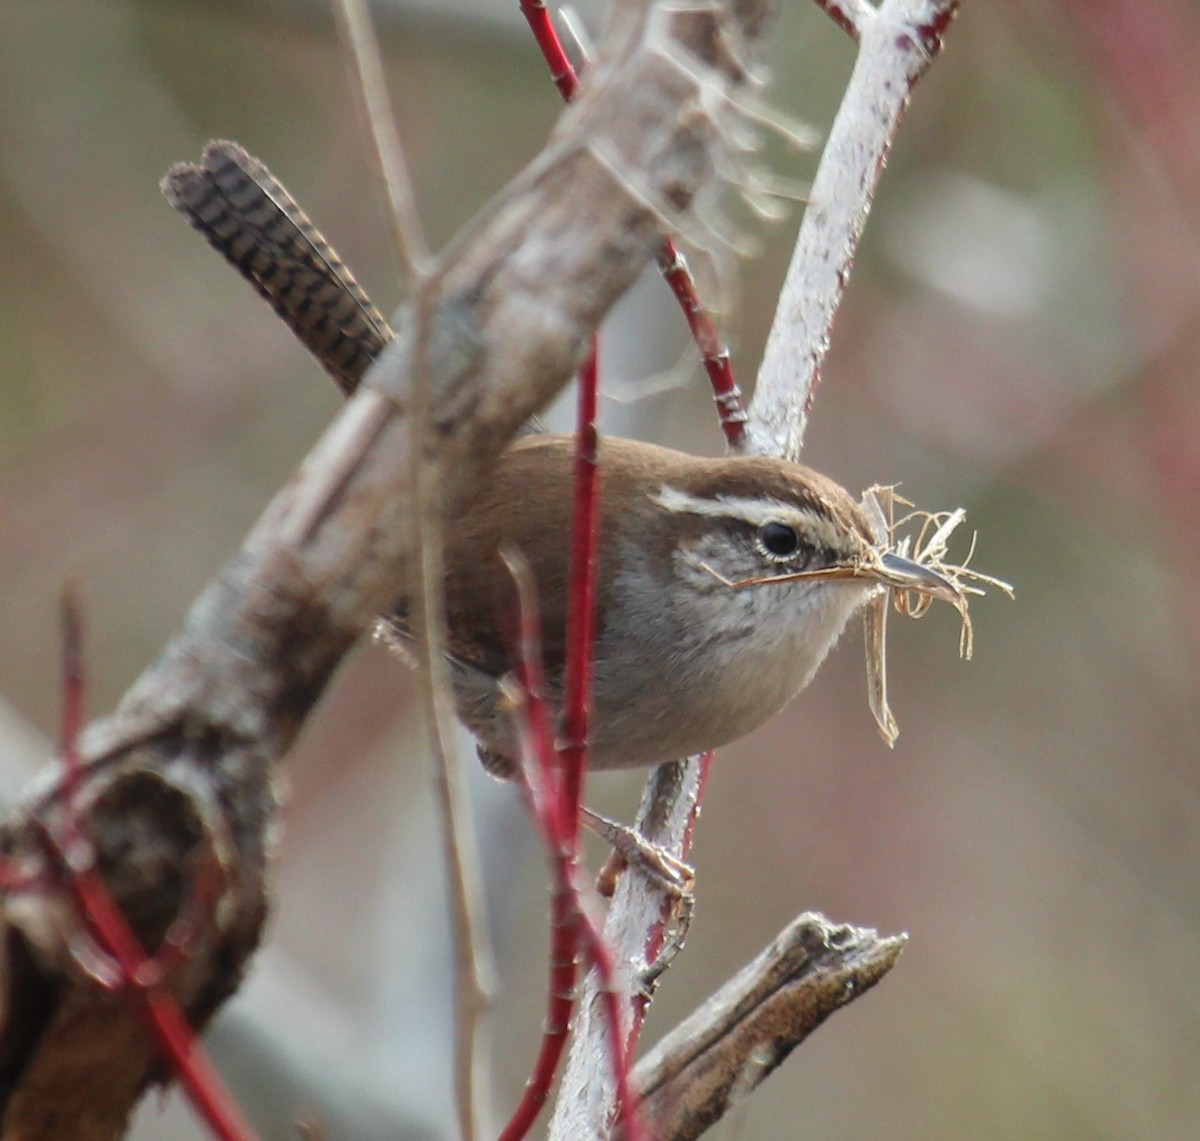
[{"x": 722, "y": 1052}]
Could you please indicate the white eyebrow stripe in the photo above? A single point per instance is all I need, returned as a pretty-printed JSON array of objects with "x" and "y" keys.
[{"x": 813, "y": 526}]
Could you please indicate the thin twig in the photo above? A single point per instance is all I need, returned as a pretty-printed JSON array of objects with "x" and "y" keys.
[
  {"x": 472, "y": 959},
  {"x": 714, "y": 353},
  {"x": 361, "y": 49}
]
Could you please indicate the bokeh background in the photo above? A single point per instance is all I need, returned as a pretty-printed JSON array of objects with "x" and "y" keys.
[{"x": 1021, "y": 335}]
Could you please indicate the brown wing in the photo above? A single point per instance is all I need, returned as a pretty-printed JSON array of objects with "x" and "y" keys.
[{"x": 526, "y": 506}]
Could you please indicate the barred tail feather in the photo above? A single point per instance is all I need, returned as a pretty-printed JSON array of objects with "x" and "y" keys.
[{"x": 247, "y": 215}]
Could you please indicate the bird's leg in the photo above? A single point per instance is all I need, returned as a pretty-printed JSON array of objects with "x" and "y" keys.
[{"x": 673, "y": 875}]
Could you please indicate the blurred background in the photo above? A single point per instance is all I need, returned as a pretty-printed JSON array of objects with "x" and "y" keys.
[{"x": 1021, "y": 336}]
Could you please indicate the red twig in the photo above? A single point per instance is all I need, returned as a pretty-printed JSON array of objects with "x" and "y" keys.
[
  {"x": 564, "y": 941},
  {"x": 563, "y": 808},
  {"x": 556, "y": 802},
  {"x": 545, "y": 793},
  {"x": 581, "y": 609},
  {"x": 575, "y": 925},
  {"x": 141, "y": 977},
  {"x": 136, "y": 973},
  {"x": 561, "y": 71},
  {"x": 557, "y": 805},
  {"x": 731, "y": 413},
  {"x": 714, "y": 353},
  {"x": 560, "y": 804}
]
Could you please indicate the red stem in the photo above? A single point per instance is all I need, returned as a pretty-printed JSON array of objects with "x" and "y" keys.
[
  {"x": 560, "y": 813},
  {"x": 563, "y": 970},
  {"x": 564, "y": 808},
  {"x": 581, "y": 612},
  {"x": 561, "y": 71},
  {"x": 556, "y": 805},
  {"x": 164, "y": 1018},
  {"x": 573, "y": 926},
  {"x": 714, "y": 353},
  {"x": 731, "y": 413}
]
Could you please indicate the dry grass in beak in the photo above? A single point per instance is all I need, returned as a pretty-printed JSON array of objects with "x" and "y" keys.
[
  {"x": 915, "y": 572},
  {"x": 912, "y": 572}
]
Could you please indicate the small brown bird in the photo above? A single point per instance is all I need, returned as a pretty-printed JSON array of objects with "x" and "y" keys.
[
  {"x": 722, "y": 583},
  {"x": 721, "y": 586}
]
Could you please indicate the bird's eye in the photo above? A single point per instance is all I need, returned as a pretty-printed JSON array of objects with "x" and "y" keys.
[{"x": 778, "y": 539}]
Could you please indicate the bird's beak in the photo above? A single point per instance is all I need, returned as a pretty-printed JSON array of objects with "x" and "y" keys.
[{"x": 899, "y": 573}]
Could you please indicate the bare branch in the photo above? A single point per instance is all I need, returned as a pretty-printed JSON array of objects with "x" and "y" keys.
[
  {"x": 724, "y": 1050},
  {"x": 473, "y": 960},
  {"x": 897, "y": 42}
]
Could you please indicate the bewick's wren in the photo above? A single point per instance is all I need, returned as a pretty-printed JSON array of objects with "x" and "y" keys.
[
  {"x": 723, "y": 583},
  {"x": 689, "y": 655}
]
